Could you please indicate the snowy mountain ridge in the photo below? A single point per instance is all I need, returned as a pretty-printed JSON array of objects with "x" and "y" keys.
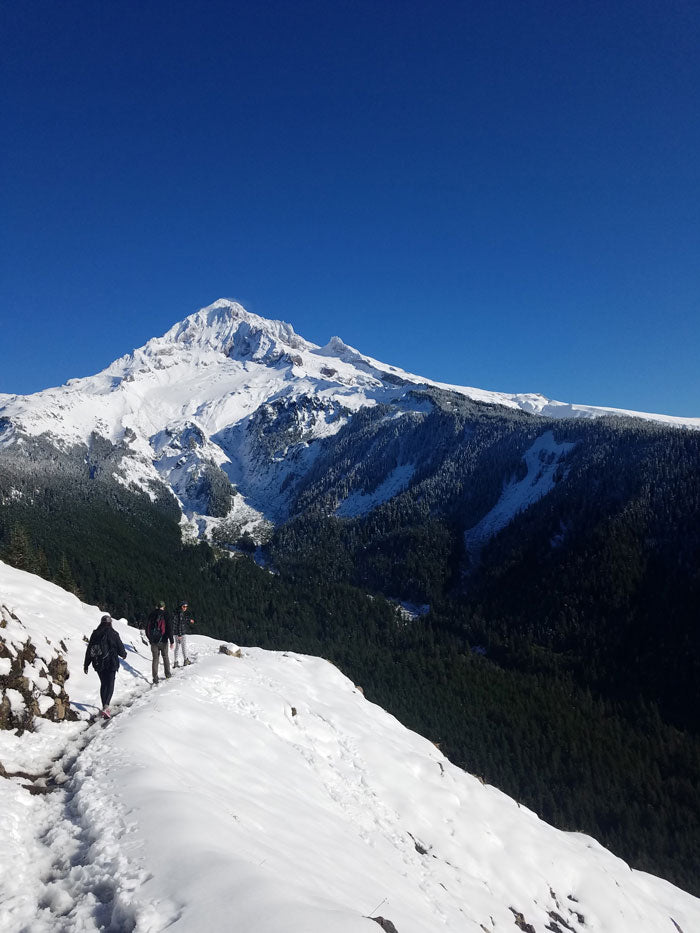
[
  {"x": 225, "y": 331},
  {"x": 263, "y": 792},
  {"x": 227, "y": 402}
]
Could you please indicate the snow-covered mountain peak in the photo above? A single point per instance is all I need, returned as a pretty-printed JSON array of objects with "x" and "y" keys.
[
  {"x": 264, "y": 400},
  {"x": 226, "y": 327},
  {"x": 336, "y": 347},
  {"x": 224, "y": 334}
]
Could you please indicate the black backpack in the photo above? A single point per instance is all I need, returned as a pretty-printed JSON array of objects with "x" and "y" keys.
[
  {"x": 156, "y": 628},
  {"x": 100, "y": 652}
]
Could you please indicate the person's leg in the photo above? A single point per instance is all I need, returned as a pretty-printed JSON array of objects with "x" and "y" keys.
[
  {"x": 179, "y": 646},
  {"x": 155, "y": 653},
  {"x": 103, "y": 676},
  {"x": 106, "y": 687},
  {"x": 185, "y": 657},
  {"x": 166, "y": 658},
  {"x": 110, "y": 687}
]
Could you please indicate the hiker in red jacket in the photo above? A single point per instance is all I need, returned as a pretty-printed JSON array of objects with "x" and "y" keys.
[{"x": 159, "y": 631}]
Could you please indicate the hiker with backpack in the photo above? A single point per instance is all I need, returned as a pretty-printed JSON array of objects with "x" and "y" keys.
[
  {"x": 104, "y": 649},
  {"x": 182, "y": 620},
  {"x": 159, "y": 631}
]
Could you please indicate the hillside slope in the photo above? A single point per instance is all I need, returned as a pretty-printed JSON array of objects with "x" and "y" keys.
[{"x": 265, "y": 792}]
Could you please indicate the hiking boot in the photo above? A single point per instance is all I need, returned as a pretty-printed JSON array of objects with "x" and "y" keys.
[
  {"x": 186, "y": 662},
  {"x": 155, "y": 680},
  {"x": 106, "y": 713},
  {"x": 176, "y": 664}
]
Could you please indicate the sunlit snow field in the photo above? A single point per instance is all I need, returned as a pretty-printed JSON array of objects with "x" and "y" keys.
[{"x": 265, "y": 793}]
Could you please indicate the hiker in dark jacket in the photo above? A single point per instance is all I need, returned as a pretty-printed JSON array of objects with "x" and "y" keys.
[
  {"x": 103, "y": 652},
  {"x": 159, "y": 631},
  {"x": 182, "y": 624}
]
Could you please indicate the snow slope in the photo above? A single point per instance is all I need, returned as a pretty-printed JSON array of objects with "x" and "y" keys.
[
  {"x": 358, "y": 503},
  {"x": 542, "y": 460},
  {"x": 263, "y": 792}
]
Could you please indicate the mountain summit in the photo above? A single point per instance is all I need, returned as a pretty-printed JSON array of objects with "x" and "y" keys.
[
  {"x": 227, "y": 327},
  {"x": 229, "y": 404}
]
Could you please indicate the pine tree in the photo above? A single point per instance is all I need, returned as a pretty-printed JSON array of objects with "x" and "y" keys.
[
  {"x": 64, "y": 577},
  {"x": 18, "y": 551}
]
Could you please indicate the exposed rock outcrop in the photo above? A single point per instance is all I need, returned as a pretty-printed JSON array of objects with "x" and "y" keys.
[
  {"x": 225, "y": 649},
  {"x": 385, "y": 924},
  {"x": 32, "y": 677}
]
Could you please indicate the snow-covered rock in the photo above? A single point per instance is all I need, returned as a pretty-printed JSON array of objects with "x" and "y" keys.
[
  {"x": 33, "y": 673},
  {"x": 261, "y": 791}
]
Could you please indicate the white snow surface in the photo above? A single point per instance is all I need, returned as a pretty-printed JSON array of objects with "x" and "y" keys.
[
  {"x": 361, "y": 503},
  {"x": 212, "y": 372},
  {"x": 264, "y": 793},
  {"x": 542, "y": 460}
]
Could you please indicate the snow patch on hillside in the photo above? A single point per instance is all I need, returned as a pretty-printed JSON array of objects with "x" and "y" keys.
[
  {"x": 542, "y": 461},
  {"x": 410, "y": 612},
  {"x": 361, "y": 503}
]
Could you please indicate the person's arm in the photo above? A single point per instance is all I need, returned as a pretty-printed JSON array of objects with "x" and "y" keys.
[
  {"x": 86, "y": 662},
  {"x": 121, "y": 650},
  {"x": 169, "y": 628}
]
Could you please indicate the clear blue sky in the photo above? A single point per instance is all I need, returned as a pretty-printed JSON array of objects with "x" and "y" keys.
[{"x": 499, "y": 194}]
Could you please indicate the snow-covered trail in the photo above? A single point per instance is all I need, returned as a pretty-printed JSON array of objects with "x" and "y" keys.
[
  {"x": 77, "y": 875},
  {"x": 66, "y": 869},
  {"x": 265, "y": 793}
]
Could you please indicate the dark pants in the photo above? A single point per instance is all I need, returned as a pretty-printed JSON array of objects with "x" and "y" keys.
[
  {"x": 160, "y": 651},
  {"x": 106, "y": 686}
]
